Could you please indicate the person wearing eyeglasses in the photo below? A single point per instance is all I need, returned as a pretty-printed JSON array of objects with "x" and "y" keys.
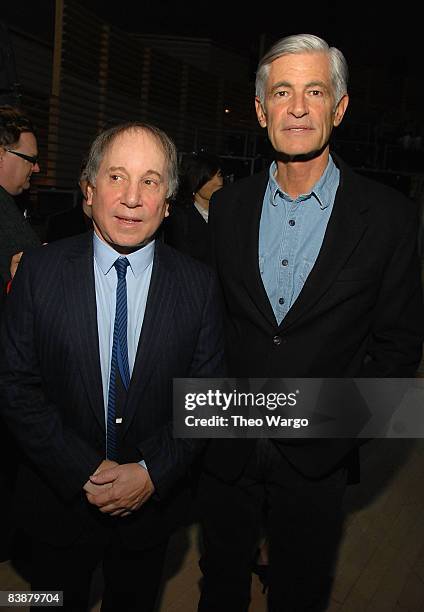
[{"x": 18, "y": 161}]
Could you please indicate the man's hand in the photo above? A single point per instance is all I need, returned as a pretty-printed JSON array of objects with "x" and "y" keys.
[
  {"x": 95, "y": 489},
  {"x": 130, "y": 488},
  {"x": 14, "y": 262}
]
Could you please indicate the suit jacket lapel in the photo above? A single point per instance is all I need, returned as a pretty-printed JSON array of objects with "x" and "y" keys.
[
  {"x": 345, "y": 228},
  {"x": 157, "y": 320},
  {"x": 248, "y": 220},
  {"x": 78, "y": 281}
]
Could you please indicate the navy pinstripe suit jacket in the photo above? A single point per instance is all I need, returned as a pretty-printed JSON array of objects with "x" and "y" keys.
[{"x": 51, "y": 390}]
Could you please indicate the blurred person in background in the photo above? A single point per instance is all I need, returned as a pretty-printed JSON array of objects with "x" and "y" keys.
[
  {"x": 186, "y": 228},
  {"x": 18, "y": 161}
]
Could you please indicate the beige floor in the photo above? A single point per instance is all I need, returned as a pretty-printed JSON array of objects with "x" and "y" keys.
[{"x": 381, "y": 560}]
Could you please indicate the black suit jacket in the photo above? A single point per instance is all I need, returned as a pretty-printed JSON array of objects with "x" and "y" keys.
[
  {"x": 50, "y": 381},
  {"x": 359, "y": 314},
  {"x": 16, "y": 234}
]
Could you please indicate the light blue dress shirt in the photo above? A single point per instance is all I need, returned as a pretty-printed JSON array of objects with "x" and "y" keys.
[
  {"x": 138, "y": 277},
  {"x": 291, "y": 233}
]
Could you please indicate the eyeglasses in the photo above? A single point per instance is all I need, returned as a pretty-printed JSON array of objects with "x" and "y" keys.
[{"x": 32, "y": 159}]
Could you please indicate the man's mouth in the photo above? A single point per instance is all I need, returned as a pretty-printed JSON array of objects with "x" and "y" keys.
[
  {"x": 128, "y": 220},
  {"x": 297, "y": 128}
]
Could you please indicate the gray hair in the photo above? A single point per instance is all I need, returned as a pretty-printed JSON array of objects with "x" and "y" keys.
[
  {"x": 105, "y": 140},
  {"x": 304, "y": 43}
]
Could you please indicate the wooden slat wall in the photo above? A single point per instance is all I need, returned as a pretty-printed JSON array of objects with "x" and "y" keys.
[
  {"x": 123, "y": 79},
  {"x": 163, "y": 92},
  {"x": 107, "y": 76},
  {"x": 82, "y": 68},
  {"x": 34, "y": 59},
  {"x": 204, "y": 108},
  {"x": 96, "y": 75}
]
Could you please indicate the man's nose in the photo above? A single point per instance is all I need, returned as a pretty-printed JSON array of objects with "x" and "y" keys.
[
  {"x": 132, "y": 195},
  {"x": 298, "y": 106}
]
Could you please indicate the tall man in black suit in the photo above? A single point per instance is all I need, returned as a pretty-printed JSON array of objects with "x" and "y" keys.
[
  {"x": 88, "y": 397},
  {"x": 320, "y": 278}
]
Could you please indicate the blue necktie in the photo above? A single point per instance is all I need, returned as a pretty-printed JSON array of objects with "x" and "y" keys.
[{"x": 119, "y": 367}]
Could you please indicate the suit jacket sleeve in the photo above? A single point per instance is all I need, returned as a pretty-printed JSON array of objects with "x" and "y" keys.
[
  {"x": 395, "y": 345},
  {"x": 64, "y": 460},
  {"x": 168, "y": 459}
]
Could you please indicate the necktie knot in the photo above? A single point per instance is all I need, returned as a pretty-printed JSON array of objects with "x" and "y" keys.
[{"x": 121, "y": 265}]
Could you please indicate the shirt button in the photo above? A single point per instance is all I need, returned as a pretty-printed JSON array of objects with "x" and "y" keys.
[
  {"x": 292, "y": 222},
  {"x": 285, "y": 262},
  {"x": 281, "y": 301},
  {"x": 276, "y": 340}
]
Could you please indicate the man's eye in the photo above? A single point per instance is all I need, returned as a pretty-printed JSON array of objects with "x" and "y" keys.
[
  {"x": 316, "y": 92},
  {"x": 114, "y": 177},
  {"x": 281, "y": 94},
  {"x": 150, "y": 183}
]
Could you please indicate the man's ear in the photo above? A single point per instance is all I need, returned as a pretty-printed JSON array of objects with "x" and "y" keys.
[
  {"x": 166, "y": 209},
  {"x": 89, "y": 194},
  {"x": 260, "y": 113},
  {"x": 340, "y": 110},
  {"x": 83, "y": 186},
  {"x": 2, "y": 152}
]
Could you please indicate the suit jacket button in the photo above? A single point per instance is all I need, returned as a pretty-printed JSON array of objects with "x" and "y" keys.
[{"x": 277, "y": 340}]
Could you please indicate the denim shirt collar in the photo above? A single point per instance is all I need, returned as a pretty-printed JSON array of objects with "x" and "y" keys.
[{"x": 324, "y": 190}]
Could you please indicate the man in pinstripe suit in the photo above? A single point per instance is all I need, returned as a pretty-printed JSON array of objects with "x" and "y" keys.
[{"x": 79, "y": 505}]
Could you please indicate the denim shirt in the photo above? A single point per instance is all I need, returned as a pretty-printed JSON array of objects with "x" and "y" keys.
[{"x": 291, "y": 233}]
